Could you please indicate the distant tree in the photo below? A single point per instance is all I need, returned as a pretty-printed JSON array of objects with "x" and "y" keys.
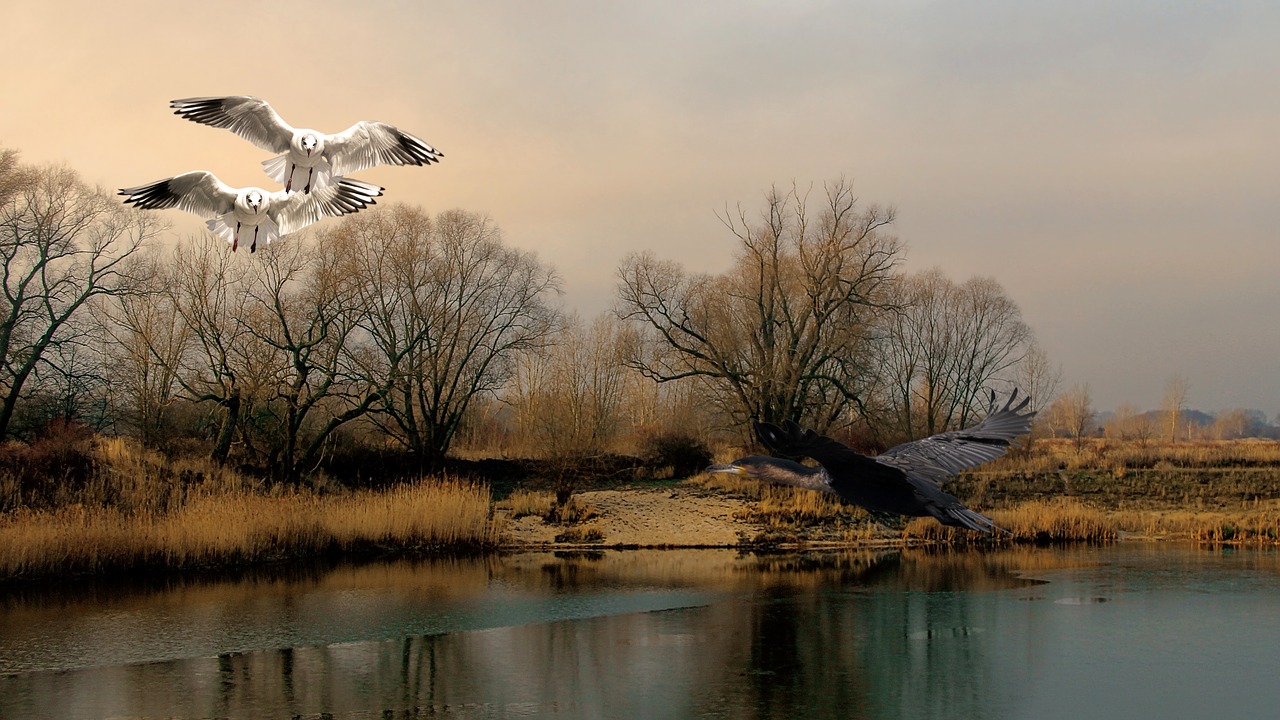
[
  {"x": 1072, "y": 414},
  {"x": 147, "y": 343},
  {"x": 1037, "y": 376},
  {"x": 62, "y": 244},
  {"x": 1238, "y": 423},
  {"x": 787, "y": 332},
  {"x": 1175, "y": 400},
  {"x": 568, "y": 398}
]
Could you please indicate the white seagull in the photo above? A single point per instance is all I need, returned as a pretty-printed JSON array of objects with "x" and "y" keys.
[
  {"x": 311, "y": 157},
  {"x": 272, "y": 215}
]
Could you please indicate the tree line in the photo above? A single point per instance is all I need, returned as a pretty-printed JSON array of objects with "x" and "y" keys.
[{"x": 401, "y": 329}]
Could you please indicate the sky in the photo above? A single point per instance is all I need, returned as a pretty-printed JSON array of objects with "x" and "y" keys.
[{"x": 1114, "y": 165}]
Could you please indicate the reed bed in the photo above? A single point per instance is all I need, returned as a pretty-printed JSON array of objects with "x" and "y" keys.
[
  {"x": 521, "y": 503},
  {"x": 1057, "y": 520},
  {"x": 231, "y": 529},
  {"x": 1256, "y": 525}
]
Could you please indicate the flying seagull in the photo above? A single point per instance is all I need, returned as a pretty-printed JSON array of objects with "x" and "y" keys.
[
  {"x": 310, "y": 157},
  {"x": 229, "y": 210},
  {"x": 904, "y": 480}
]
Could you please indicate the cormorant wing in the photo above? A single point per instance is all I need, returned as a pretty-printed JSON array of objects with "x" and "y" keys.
[
  {"x": 940, "y": 457},
  {"x": 370, "y": 143},
  {"x": 867, "y": 481},
  {"x": 249, "y": 117}
]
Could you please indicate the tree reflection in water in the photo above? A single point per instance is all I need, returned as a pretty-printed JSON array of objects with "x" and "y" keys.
[{"x": 840, "y": 634}]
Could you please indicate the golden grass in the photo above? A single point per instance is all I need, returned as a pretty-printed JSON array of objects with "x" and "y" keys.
[
  {"x": 234, "y": 528},
  {"x": 1117, "y": 455},
  {"x": 1057, "y": 520},
  {"x": 523, "y": 502},
  {"x": 1258, "y": 524}
]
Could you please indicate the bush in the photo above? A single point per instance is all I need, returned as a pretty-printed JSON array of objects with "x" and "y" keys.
[
  {"x": 683, "y": 453},
  {"x": 50, "y": 471}
]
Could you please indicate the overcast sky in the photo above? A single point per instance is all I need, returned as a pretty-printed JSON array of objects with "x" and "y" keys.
[{"x": 1113, "y": 165}]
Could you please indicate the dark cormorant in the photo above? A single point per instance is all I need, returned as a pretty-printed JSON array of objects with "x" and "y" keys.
[{"x": 905, "y": 480}]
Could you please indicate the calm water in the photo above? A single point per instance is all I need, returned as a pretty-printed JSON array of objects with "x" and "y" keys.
[{"x": 1131, "y": 631}]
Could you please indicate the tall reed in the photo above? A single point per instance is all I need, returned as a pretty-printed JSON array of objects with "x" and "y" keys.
[{"x": 247, "y": 527}]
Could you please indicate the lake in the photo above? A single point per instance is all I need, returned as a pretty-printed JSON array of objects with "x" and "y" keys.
[{"x": 1132, "y": 630}]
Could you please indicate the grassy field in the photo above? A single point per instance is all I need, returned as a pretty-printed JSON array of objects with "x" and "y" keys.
[{"x": 135, "y": 509}]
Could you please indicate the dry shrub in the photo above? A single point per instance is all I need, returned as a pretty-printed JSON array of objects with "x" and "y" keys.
[
  {"x": 52, "y": 470},
  {"x": 675, "y": 454}
]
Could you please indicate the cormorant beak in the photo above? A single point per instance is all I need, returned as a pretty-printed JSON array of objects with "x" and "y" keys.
[{"x": 729, "y": 469}]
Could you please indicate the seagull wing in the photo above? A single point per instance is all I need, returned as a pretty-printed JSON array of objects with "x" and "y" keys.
[
  {"x": 198, "y": 192},
  {"x": 367, "y": 144},
  {"x": 249, "y": 117},
  {"x": 940, "y": 457},
  {"x": 294, "y": 211}
]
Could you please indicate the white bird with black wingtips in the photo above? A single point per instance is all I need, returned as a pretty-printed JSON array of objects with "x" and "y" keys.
[
  {"x": 233, "y": 211},
  {"x": 310, "y": 158}
]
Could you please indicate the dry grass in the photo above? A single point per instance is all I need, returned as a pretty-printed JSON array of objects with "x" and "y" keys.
[
  {"x": 521, "y": 503},
  {"x": 1057, "y": 520},
  {"x": 1119, "y": 455},
  {"x": 1258, "y": 524},
  {"x": 236, "y": 528}
]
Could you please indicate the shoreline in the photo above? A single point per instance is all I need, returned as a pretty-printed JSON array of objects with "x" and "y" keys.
[{"x": 688, "y": 515}]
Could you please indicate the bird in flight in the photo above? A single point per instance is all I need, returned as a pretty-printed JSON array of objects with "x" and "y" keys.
[
  {"x": 231, "y": 211},
  {"x": 905, "y": 480},
  {"x": 310, "y": 158}
]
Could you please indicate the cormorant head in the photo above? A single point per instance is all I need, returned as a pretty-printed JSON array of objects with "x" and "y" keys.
[{"x": 769, "y": 469}]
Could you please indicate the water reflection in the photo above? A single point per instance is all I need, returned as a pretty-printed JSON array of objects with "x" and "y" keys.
[{"x": 632, "y": 634}]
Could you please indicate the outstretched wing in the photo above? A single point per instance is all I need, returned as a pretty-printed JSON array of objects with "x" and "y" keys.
[
  {"x": 940, "y": 457},
  {"x": 367, "y": 144},
  {"x": 198, "y": 192},
  {"x": 868, "y": 482},
  {"x": 249, "y": 117},
  {"x": 294, "y": 211}
]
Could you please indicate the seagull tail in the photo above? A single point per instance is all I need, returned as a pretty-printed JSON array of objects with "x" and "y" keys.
[
  {"x": 220, "y": 227},
  {"x": 277, "y": 168}
]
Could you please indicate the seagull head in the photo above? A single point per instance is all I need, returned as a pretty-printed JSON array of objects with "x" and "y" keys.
[
  {"x": 254, "y": 199},
  {"x": 309, "y": 143}
]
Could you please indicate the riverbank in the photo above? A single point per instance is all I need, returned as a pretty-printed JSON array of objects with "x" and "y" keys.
[{"x": 140, "y": 511}]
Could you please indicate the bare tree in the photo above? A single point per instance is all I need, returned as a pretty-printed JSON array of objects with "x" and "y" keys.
[
  {"x": 568, "y": 399},
  {"x": 1175, "y": 400},
  {"x": 205, "y": 287},
  {"x": 62, "y": 244},
  {"x": 946, "y": 346},
  {"x": 786, "y": 333},
  {"x": 1037, "y": 376},
  {"x": 446, "y": 308},
  {"x": 303, "y": 313},
  {"x": 1073, "y": 413},
  {"x": 146, "y": 344}
]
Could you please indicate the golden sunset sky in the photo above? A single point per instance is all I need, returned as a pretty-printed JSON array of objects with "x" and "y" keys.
[{"x": 1115, "y": 165}]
